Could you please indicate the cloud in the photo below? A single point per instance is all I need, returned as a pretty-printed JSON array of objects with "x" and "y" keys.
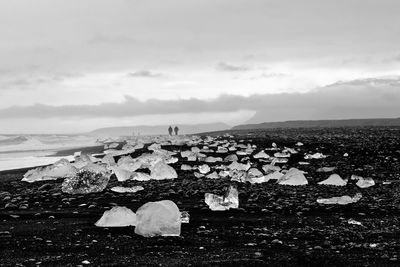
[
  {"x": 144, "y": 73},
  {"x": 363, "y": 98},
  {"x": 222, "y": 66}
]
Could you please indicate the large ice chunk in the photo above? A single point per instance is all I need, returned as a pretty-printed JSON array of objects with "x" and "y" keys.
[
  {"x": 117, "y": 217},
  {"x": 60, "y": 169},
  {"x": 161, "y": 218},
  {"x": 293, "y": 177},
  {"x": 226, "y": 202}
]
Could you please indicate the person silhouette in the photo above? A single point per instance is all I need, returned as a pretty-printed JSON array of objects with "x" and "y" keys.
[
  {"x": 170, "y": 130},
  {"x": 176, "y": 129}
]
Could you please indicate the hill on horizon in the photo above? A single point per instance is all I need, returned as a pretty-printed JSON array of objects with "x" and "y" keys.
[
  {"x": 159, "y": 129},
  {"x": 320, "y": 123}
]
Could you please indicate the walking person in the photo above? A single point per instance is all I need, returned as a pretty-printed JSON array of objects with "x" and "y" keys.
[
  {"x": 176, "y": 129},
  {"x": 170, "y": 130}
]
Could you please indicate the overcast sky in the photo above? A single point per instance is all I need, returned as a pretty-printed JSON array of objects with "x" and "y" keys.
[{"x": 77, "y": 65}]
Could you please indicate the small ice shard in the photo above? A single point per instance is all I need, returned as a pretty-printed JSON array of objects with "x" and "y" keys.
[
  {"x": 345, "y": 155},
  {"x": 213, "y": 159},
  {"x": 195, "y": 149},
  {"x": 185, "y": 217},
  {"x": 121, "y": 173},
  {"x": 60, "y": 169},
  {"x": 239, "y": 166},
  {"x": 304, "y": 163},
  {"x": 334, "y": 179},
  {"x": 279, "y": 160},
  {"x": 274, "y": 145},
  {"x": 93, "y": 167},
  {"x": 185, "y": 167},
  {"x": 161, "y": 218},
  {"x": 129, "y": 164},
  {"x": 85, "y": 182},
  {"x": 213, "y": 175},
  {"x": 162, "y": 171},
  {"x": 141, "y": 176},
  {"x": 281, "y": 155},
  {"x": 83, "y": 160},
  {"x": 204, "y": 169},
  {"x": 238, "y": 176},
  {"x": 270, "y": 168},
  {"x": 299, "y": 144},
  {"x": 241, "y": 153},
  {"x": 293, "y": 177},
  {"x": 254, "y": 173},
  {"x": 261, "y": 155},
  {"x": 343, "y": 200},
  {"x": 223, "y": 173},
  {"x": 222, "y": 150},
  {"x": 290, "y": 150},
  {"x": 276, "y": 175},
  {"x": 198, "y": 175},
  {"x": 363, "y": 182},
  {"x": 109, "y": 160},
  {"x": 154, "y": 147},
  {"x": 121, "y": 189},
  {"x": 117, "y": 217},
  {"x": 185, "y": 154},
  {"x": 326, "y": 169},
  {"x": 232, "y": 157},
  {"x": 315, "y": 156},
  {"x": 352, "y": 221},
  {"x": 219, "y": 203}
]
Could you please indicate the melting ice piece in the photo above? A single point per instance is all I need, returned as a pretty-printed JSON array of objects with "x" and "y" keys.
[
  {"x": 85, "y": 182},
  {"x": 219, "y": 203},
  {"x": 121, "y": 189},
  {"x": 334, "y": 179},
  {"x": 293, "y": 177},
  {"x": 363, "y": 182},
  {"x": 117, "y": 217},
  {"x": 60, "y": 169},
  {"x": 162, "y": 171},
  {"x": 343, "y": 200},
  {"x": 161, "y": 218}
]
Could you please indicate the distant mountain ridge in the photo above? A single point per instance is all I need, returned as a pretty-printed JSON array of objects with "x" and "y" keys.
[
  {"x": 159, "y": 129},
  {"x": 321, "y": 123}
]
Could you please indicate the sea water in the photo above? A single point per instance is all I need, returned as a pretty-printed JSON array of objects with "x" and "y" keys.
[{"x": 23, "y": 151}]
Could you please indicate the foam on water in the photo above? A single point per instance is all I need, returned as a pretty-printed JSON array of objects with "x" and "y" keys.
[{"x": 10, "y": 163}]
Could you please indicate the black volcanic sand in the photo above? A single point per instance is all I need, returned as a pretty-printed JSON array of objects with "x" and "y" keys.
[{"x": 275, "y": 225}]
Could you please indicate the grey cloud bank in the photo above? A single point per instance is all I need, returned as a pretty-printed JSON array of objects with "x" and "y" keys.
[{"x": 353, "y": 99}]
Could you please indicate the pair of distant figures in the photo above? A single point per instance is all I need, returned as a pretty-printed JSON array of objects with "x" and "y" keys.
[{"x": 176, "y": 130}]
